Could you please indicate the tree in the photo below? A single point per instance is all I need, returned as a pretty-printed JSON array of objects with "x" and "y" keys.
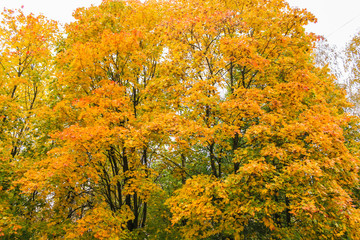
[
  {"x": 352, "y": 70},
  {"x": 254, "y": 99},
  {"x": 204, "y": 119},
  {"x": 26, "y": 43},
  {"x": 98, "y": 178}
]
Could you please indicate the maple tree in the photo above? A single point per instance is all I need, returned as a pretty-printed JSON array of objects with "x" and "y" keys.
[
  {"x": 253, "y": 98},
  {"x": 100, "y": 167},
  {"x": 204, "y": 119},
  {"x": 26, "y": 43}
]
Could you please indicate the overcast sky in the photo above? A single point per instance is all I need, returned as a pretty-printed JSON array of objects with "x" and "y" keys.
[{"x": 338, "y": 20}]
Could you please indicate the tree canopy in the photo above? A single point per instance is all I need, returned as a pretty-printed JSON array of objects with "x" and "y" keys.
[{"x": 204, "y": 119}]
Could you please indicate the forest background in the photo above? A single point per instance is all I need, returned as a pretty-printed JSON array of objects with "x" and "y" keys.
[{"x": 216, "y": 119}]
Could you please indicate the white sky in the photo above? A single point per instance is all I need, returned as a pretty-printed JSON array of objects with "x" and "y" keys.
[
  {"x": 59, "y": 10},
  {"x": 337, "y": 20}
]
